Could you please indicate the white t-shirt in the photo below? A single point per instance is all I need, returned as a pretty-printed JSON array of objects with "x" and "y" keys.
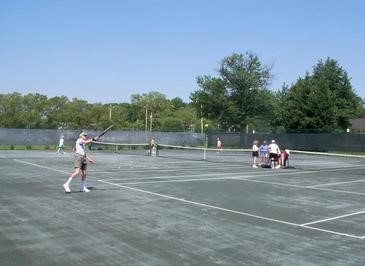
[
  {"x": 255, "y": 148},
  {"x": 80, "y": 146},
  {"x": 61, "y": 141},
  {"x": 219, "y": 144},
  {"x": 274, "y": 148}
]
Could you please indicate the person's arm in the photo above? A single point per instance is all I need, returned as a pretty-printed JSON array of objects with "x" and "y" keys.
[
  {"x": 87, "y": 141},
  {"x": 90, "y": 159}
]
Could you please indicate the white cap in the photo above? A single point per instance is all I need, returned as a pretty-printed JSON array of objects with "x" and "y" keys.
[
  {"x": 273, "y": 141},
  {"x": 82, "y": 133}
]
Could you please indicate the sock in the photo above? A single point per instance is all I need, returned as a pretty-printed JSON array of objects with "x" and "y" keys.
[
  {"x": 82, "y": 185},
  {"x": 68, "y": 181}
]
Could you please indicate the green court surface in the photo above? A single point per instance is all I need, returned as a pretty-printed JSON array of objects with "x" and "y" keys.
[{"x": 167, "y": 210}]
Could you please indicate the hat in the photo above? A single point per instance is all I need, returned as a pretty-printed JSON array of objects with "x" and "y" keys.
[
  {"x": 82, "y": 133},
  {"x": 273, "y": 141}
]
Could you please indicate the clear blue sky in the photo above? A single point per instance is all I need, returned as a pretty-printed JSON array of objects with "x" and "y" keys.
[{"x": 105, "y": 51}]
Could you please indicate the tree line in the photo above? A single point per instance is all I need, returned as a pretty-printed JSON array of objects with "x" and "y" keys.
[{"x": 237, "y": 99}]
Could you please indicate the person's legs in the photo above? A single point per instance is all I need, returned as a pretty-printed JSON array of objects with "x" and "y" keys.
[
  {"x": 254, "y": 158},
  {"x": 83, "y": 187},
  {"x": 72, "y": 176}
]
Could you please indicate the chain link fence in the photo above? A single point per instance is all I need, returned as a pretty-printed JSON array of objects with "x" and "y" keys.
[
  {"x": 29, "y": 137},
  {"x": 297, "y": 141}
]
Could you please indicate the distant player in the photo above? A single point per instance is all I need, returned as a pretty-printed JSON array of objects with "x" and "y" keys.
[
  {"x": 61, "y": 146},
  {"x": 255, "y": 153},
  {"x": 80, "y": 162},
  {"x": 285, "y": 158},
  {"x": 264, "y": 153},
  {"x": 153, "y": 147},
  {"x": 218, "y": 146},
  {"x": 274, "y": 155}
]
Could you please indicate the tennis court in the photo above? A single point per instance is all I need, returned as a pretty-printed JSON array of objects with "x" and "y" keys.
[{"x": 181, "y": 210}]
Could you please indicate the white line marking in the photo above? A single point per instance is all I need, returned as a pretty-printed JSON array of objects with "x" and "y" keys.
[
  {"x": 192, "y": 202},
  {"x": 228, "y": 210},
  {"x": 331, "y": 232},
  {"x": 268, "y": 182},
  {"x": 299, "y": 186},
  {"x": 337, "y": 183},
  {"x": 334, "y": 218},
  {"x": 41, "y": 166},
  {"x": 340, "y": 191},
  {"x": 341, "y": 169},
  {"x": 170, "y": 177},
  {"x": 136, "y": 169},
  {"x": 178, "y": 180},
  {"x": 250, "y": 175}
]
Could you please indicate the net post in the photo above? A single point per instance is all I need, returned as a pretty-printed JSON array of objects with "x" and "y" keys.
[{"x": 205, "y": 154}]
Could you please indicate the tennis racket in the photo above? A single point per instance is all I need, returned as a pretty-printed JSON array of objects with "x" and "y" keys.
[{"x": 104, "y": 132}]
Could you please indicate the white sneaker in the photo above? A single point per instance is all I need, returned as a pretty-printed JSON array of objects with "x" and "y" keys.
[
  {"x": 254, "y": 166},
  {"x": 85, "y": 190},
  {"x": 67, "y": 188}
]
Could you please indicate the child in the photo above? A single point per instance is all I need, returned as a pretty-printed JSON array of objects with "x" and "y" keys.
[
  {"x": 153, "y": 147},
  {"x": 61, "y": 146},
  {"x": 255, "y": 153},
  {"x": 219, "y": 146}
]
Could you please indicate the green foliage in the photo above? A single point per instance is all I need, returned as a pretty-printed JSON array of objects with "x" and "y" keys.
[
  {"x": 172, "y": 124},
  {"x": 323, "y": 100},
  {"x": 239, "y": 95}
]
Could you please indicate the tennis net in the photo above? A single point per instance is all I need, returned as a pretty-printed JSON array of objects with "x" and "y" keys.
[
  {"x": 204, "y": 154},
  {"x": 297, "y": 159},
  {"x": 174, "y": 152},
  {"x": 121, "y": 148}
]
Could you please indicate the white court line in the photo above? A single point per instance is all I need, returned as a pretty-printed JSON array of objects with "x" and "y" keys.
[
  {"x": 341, "y": 169},
  {"x": 176, "y": 181},
  {"x": 337, "y": 183},
  {"x": 338, "y": 190},
  {"x": 129, "y": 169},
  {"x": 228, "y": 210},
  {"x": 268, "y": 182},
  {"x": 243, "y": 175},
  {"x": 334, "y": 218},
  {"x": 163, "y": 180},
  {"x": 171, "y": 177},
  {"x": 299, "y": 186},
  {"x": 41, "y": 166}
]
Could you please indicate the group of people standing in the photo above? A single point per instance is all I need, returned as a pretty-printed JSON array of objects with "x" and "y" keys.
[{"x": 270, "y": 155}]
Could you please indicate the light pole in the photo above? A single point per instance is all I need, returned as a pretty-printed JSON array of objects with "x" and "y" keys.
[
  {"x": 151, "y": 121},
  {"x": 146, "y": 123},
  {"x": 201, "y": 119}
]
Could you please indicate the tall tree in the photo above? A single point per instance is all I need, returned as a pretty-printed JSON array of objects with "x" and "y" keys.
[
  {"x": 233, "y": 98},
  {"x": 323, "y": 101}
]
